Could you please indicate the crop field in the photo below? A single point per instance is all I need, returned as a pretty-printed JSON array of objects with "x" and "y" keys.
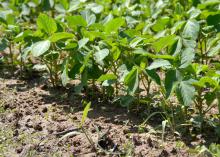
[{"x": 111, "y": 78}]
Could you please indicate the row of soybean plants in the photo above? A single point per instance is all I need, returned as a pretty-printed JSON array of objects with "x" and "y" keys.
[{"x": 125, "y": 46}]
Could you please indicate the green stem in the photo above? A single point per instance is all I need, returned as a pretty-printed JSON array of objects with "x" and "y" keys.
[
  {"x": 21, "y": 60},
  {"x": 11, "y": 56}
]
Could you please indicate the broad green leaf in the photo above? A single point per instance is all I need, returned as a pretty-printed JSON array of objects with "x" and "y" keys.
[
  {"x": 187, "y": 57},
  {"x": 160, "y": 24},
  {"x": 170, "y": 81},
  {"x": 214, "y": 20},
  {"x": 191, "y": 29},
  {"x": 22, "y": 35},
  {"x": 64, "y": 76},
  {"x": 204, "y": 81},
  {"x": 76, "y": 20},
  {"x": 122, "y": 72},
  {"x": 39, "y": 48},
  {"x": 158, "y": 63},
  {"x": 85, "y": 62},
  {"x": 153, "y": 75},
  {"x": 132, "y": 81},
  {"x": 83, "y": 42},
  {"x": 177, "y": 26},
  {"x": 59, "y": 36},
  {"x": 194, "y": 13},
  {"x": 107, "y": 77},
  {"x": 116, "y": 53},
  {"x": 189, "y": 43},
  {"x": 185, "y": 92},
  {"x": 214, "y": 51},
  {"x": 209, "y": 3},
  {"x": 3, "y": 44},
  {"x": 46, "y": 23},
  {"x": 96, "y": 8},
  {"x": 107, "y": 19},
  {"x": 163, "y": 42},
  {"x": 176, "y": 47},
  {"x": 135, "y": 42},
  {"x": 73, "y": 5},
  {"x": 89, "y": 17},
  {"x": 100, "y": 55},
  {"x": 65, "y": 4},
  {"x": 113, "y": 25},
  {"x": 85, "y": 113}
]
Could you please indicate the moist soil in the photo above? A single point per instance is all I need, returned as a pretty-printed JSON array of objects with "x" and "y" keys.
[{"x": 37, "y": 120}]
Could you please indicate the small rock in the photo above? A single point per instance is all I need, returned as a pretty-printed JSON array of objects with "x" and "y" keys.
[
  {"x": 38, "y": 127},
  {"x": 174, "y": 151},
  {"x": 164, "y": 153},
  {"x": 150, "y": 142},
  {"x": 19, "y": 150},
  {"x": 136, "y": 140},
  {"x": 44, "y": 110},
  {"x": 15, "y": 133},
  {"x": 28, "y": 112}
]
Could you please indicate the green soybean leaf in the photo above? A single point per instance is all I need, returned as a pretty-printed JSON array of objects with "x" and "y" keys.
[
  {"x": 76, "y": 20},
  {"x": 191, "y": 29},
  {"x": 3, "y": 44},
  {"x": 163, "y": 42},
  {"x": 177, "y": 26},
  {"x": 83, "y": 42},
  {"x": 132, "y": 81},
  {"x": 64, "y": 76},
  {"x": 158, "y": 63},
  {"x": 189, "y": 43},
  {"x": 96, "y": 8},
  {"x": 185, "y": 92},
  {"x": 187, "y": 57},
  {"x": 89, "y": 17},
  {"x": 204, "y": 81},
  {"x": 85, "y": 113},
  {"x": 170, "y": 80},
  {"x": 177, "y": 46},
  {"x": 210, "y": 3},
  {"x": 85, "y": 62},
  {"x": 122, "y": 72},
  {"x": 214, "y": 20},
  {"x": 135, "y": 42},
  {"x": 46, "y": 23},
  {"x": 59, "y": 36},
  {"x": 107, "y": 77},
  {"x": 153, "y": 75},
  {"x": 100, "y": 55},
  {"x": 214, "y": 51},
  {"x": 113, "y": 25},
  {"x": 39, "y": 48},
  {"x": 160, "y": 24}
]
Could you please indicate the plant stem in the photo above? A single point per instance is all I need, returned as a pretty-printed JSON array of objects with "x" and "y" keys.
[
  {"x": 11, "y": 56},
  {"x": 21, "y": 60}
]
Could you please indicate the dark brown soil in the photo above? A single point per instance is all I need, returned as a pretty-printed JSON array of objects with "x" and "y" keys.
[{"x": 38, "y": 121}]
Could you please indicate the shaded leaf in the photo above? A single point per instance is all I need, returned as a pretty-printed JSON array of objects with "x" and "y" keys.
[{"x": 185, "y": 92}]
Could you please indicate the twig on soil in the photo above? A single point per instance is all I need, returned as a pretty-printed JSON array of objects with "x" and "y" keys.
[{"x": 66, "y": 131}]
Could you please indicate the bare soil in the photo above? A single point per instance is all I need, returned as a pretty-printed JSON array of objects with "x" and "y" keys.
[{"x": 37, "y": 120}]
